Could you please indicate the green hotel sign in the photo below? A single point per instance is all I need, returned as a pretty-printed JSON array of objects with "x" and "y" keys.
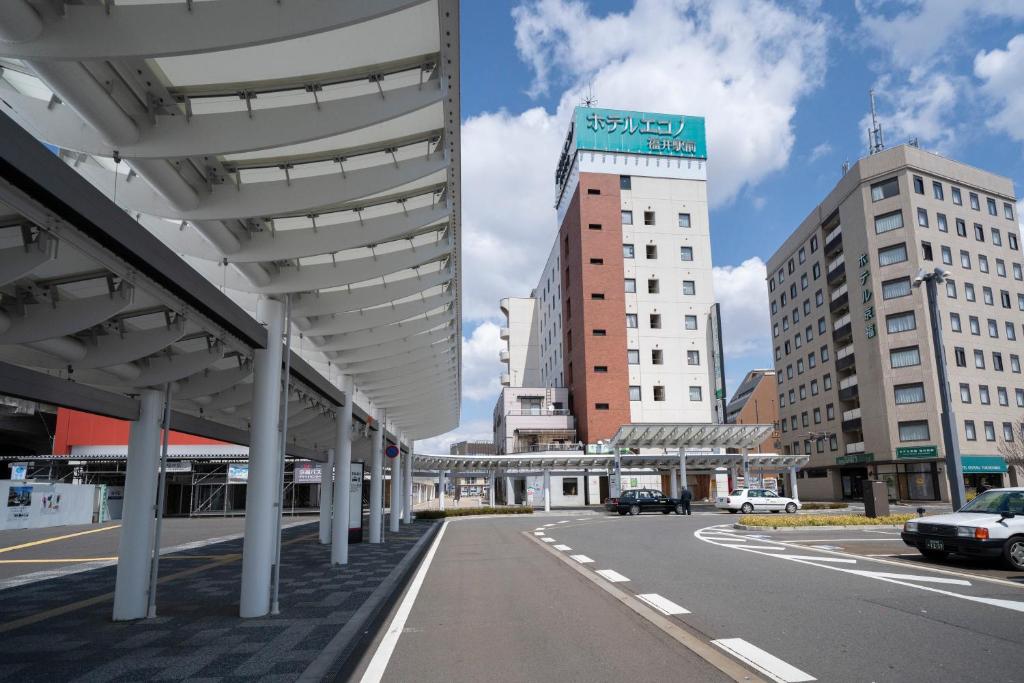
[
  {"x": 855, "y": 459},
  {"x": 916, "y": 452},
  {"x": 615, "y": 130}
]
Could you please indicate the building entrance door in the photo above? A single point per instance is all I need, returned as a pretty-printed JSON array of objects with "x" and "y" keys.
[{"x": 853, "y": 482}]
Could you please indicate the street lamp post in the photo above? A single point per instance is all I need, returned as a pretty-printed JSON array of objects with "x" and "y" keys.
[{"x": 950, "y": 439}]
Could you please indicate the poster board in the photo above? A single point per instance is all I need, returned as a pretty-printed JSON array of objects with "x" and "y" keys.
[{"x": 355, "y": 504}]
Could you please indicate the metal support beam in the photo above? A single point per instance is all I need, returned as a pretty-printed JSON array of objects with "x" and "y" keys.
[
  {"x": 343, "y": 487},
  {"x": 396, "y": 492},
  {"x": 547, "y": 490}
]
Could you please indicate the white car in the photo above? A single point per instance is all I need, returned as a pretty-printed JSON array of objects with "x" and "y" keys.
[
  {"x": 756, "y": 500},
  {"x": 991, "y": 525}
]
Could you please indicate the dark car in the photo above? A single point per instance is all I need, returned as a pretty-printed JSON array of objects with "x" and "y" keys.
[{"x": 635, "y": 501}]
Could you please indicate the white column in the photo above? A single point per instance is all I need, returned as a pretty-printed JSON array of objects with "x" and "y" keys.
[
  {"x": 547, "y": 490},
  {"x": 135, "y": 549},
  {"x": 510, "y": 492},
  {"x": 343, "y": 464},
  {"x": 397, "y": 490},
  {"x": 682, "y": 468},
  {"x": 258, "y": 549},
  {"x": 377, "y": 482},
  {"x": 440, "y": 490},
  {"x": 407, "y": 517},
  {"x": 673, "y": 482},
  {"x": 326, "y": 497},
  {"x": 490, "y": 486},
  {"x": 793, "y": 491}
]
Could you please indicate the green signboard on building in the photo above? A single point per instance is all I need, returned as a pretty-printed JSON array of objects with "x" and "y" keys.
[
  {"x": 983, "y": 464},
  {"x": 916, "y": 452},
  {"x": 614, "y": 130},
  {"x": 855, "y": 458}
]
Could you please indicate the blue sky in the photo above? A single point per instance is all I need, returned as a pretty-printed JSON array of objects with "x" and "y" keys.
[{"x": 784, "y": 87}]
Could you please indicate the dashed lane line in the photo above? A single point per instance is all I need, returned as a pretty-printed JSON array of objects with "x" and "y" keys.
[
  {"x": 663, "y": 605},
  {"x": 561, "y": 546},
  {"x": 611, "y": 575},
  {"x": 765, "y": 662},
  {"x": 539, "y": 533},
  {"x": 547, "y": 539},
  {"x": 582, "y": 559}
]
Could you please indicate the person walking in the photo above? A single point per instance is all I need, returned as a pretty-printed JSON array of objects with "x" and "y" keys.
[
  {"x": 458, "y": 494},
  {"x": 685, "y": 496}
]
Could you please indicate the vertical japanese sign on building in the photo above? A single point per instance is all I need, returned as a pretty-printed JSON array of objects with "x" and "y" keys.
[{"x": 867, "y": 298}]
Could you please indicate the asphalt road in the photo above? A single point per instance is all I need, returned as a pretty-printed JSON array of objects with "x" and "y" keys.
[{"x": 497, "y": 603}]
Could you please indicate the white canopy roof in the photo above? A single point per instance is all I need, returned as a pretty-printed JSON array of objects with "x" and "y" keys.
[
  {"x": 301, "y": 149},
  {"x": 693, "y": 435}
]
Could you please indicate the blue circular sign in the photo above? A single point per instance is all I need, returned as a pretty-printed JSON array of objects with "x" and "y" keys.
[{"x": 391, "y": 451}]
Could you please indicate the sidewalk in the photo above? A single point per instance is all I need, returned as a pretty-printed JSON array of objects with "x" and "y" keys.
[{"x": 60, "y": 629}]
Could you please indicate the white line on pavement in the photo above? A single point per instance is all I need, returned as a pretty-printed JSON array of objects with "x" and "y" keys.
[
  {"x": 561, "y": 546},
  {"x": 548, "y": 539},
  {"x": 552, "y": 524},
  {"x": 564, "y": 521},
  {"x": 375, "y": 670},
  {"x": 611, "y": 575},
  {"x": 765, "y": 662},
  {"x": 582, "y": 559},
  {"x": 756, "y": 547},
  {"x": 913, "y": 577},
  {"x": 539, "y": 533},
  {"x": 663, "y": 605},
  {"x": 818, "y": 558}
]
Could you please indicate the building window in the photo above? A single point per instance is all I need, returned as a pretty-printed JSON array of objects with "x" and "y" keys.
[
  {"x": 634, "y": 393},
  {"x": 659, "y": 393},
  {"x": 1008, "y": 432},
  {"x": 684, "y": 220},
  {"x": 630, "y": 285},
  {"x": 631, "y": 320},
  {"x": 600, "y": 333},
  {"x": 693, "y": 357},
  {"x": 625, "y": 182},
  {"x": 965, "y": 260},
  {"x": 652, "y": 287},
  {"x": 918, "y": 185},
  {"x": 916, "y": 430},
  {"x": 922, "y": 218},
  {"x": 979, "y": 359},
  {"x": 593, "y": 190},
  {"x": 1008, "y": 211},
  {"x": 997, "y": 237},
  {"x": 627, "y": 251},
  {"x": 937, "y": 190},
  {"x": 888, "y": 222},
  {"x": 597, "y": 296},
  {"x": 897, "y": 253},
  {"x": 597, "y": 261},
  {"x": 633, "y": 356},
  {"x": 954, "y": 322},
  {"x": 940, "y": 220},
  {"x": 990, "y": 429},
  {"x": 657, "y": 357},
  {"x": 627, "y": 217},
  {"x": 894, "y": 289},
  {"x": 975, "y": 204},
  {"x": 961, "y": 227},
  {"x": 972, "y": 320},
  {"x": 695, "y": 393},
  {"x": 689, "y": 287},
  {"x": 601, "y": 369},
  {"x": 690, "y": 322},
  {"x": 957, "y": 199},
  {"x": 960, "y": 357},
  {"x": 969, "y": 292},
  {"x": 827, "y": 381},
  {"x": 885, "y": 189},
  {"x": 991, "y": 203},
  {"x": 909, "y": 393},
  {"x": 965, "y": 393},
  {"x": 600, "y": 406},
  {"x": 655, "y": 321},
  {"x": 648, "y": 218},
  {"x": 685, "y": 253},
  {"x": 594, "y": 226},
  {"x": 905, "y": 357},
  {"x": 823, "y": 351},
  {"x": 983, "y": 263},
  {"x": 652, "y": 251},
  {"x": 570, "y": 486},
  {"x": 983, "y": 396},
  {"x": 947, "y": 256},
  {"x": 969, "y": 433},
  {"x": 900, "y": 322}
]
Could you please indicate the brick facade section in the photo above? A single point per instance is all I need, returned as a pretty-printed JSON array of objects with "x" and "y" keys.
[{"x": 582, "y": 314}]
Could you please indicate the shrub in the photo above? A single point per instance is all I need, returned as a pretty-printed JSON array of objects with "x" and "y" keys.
[
  {"x": 466, "y": 512},
  {"x": 823, "y": 520},
  {"x": 824, "y": 506}
]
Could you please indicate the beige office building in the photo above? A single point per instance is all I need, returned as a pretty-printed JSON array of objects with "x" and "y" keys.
[{"x": 855, "y": 364}]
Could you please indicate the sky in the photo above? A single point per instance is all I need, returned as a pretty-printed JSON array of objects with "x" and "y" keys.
[{"x": 784, "y": 90}]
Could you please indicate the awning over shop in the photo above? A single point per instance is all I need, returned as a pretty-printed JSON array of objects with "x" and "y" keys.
[{"x": 983, "y": 464}]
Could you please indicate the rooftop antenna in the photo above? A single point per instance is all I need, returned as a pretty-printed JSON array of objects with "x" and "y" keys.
[
  {"x": 846, "y": 167},
  {"x": 589, "y": 100},
  {"x": 875, "y": 142}
]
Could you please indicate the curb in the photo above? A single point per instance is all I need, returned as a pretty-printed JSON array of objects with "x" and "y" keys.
[
  {"x": 852, "y": 527},
  {"x": 344, "y": 651}
]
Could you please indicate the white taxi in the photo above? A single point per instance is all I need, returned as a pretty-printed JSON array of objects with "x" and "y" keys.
[{"x": 756, "y": 500}]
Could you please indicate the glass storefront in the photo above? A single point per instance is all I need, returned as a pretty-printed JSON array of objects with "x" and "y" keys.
[{"x": 910, "y": 481}]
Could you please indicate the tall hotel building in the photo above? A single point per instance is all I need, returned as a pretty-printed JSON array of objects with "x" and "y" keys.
[
  {"x": 855, "y": 364},
  {"x": 622, "y": 326}
]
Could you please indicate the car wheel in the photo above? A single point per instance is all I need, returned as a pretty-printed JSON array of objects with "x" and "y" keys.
[
  {"x": 679, "y": 509},
  {"x": 1013, "y": 551},
  {"x": 746, "y": 508},
  {"x": 622, "y": 513},
  {"x": 937, "y": 555},
  {"x": 634, "y": 509},
  {"x": 791, "y": 508}
]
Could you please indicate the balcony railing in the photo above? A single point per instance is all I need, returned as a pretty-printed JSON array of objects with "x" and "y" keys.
[
  {"x": 554, "y": 446},
  {"x": 838, "y": 230},
  {"x": 503, "y": 355},
  {"x": 506, "y": 379},
  {"x": 850, "y": 381},
  {"x": 835, "y": 263},
  {"x": 845, "y": 351},
  {"x": 845, "y": 320},
  {"x": 852, "y": 448},
  {"x": 838, "y": 292},
  {"x": 851, "y": 414},
  {"x": 504, "y": 333},
  {"x": 504, "y": 305},
  {"x": 537, "y": 411}
]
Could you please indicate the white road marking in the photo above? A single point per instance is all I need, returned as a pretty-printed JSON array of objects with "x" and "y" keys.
[
  {"x": 818, "y": 558},
  {"x": 582, "y": 559},
  {"x": 827, "y": 547},
  {"x": 552, "y": 524},
  {"x": 539, "y": 533},
  {"x": 765, "y": 662},
  {"x": 663, "y": 605},
  {"x": 756, "y": 547},
  {"x": 611, "y": 575},
  {"x": 730, "y": 539},
  {"x": 379, "y": 663},
  {"x": 540, "y": 528},
  {"x": 548, "y": 539},
  {"x": 914, "y": 577},
  {"x": 561, "y": 546},
  {"x": 564, "y": 521}
]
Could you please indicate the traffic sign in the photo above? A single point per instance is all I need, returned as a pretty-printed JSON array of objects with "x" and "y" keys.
[{"x": 391, "y": 451}]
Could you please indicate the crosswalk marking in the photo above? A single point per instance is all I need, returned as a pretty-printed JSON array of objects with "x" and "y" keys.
[{"x": 548, "y": 539}]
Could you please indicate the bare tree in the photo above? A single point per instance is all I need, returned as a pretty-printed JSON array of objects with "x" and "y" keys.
[{"x": 1013, "y": 451}]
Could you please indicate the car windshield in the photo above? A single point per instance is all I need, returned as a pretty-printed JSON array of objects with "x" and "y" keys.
[
  {"x": 997, "y": 502},
  {"x": 737, "y": 492}
]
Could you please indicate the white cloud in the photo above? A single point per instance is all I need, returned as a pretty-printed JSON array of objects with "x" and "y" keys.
[
  {"x": 743, "y": 64},
  {"x": 819, "y": 151},
  {"x": 1002, "y": 76},
  {"x": 480, "y": 364},
  {"x": 742, "y": 293},
  {"x": 474, "y": 430}
]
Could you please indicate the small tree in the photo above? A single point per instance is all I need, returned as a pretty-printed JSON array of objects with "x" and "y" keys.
[{"x": 1013, "y": 451}]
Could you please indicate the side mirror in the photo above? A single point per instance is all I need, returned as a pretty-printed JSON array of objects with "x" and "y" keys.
[{"x": 1006, "y": 515}]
